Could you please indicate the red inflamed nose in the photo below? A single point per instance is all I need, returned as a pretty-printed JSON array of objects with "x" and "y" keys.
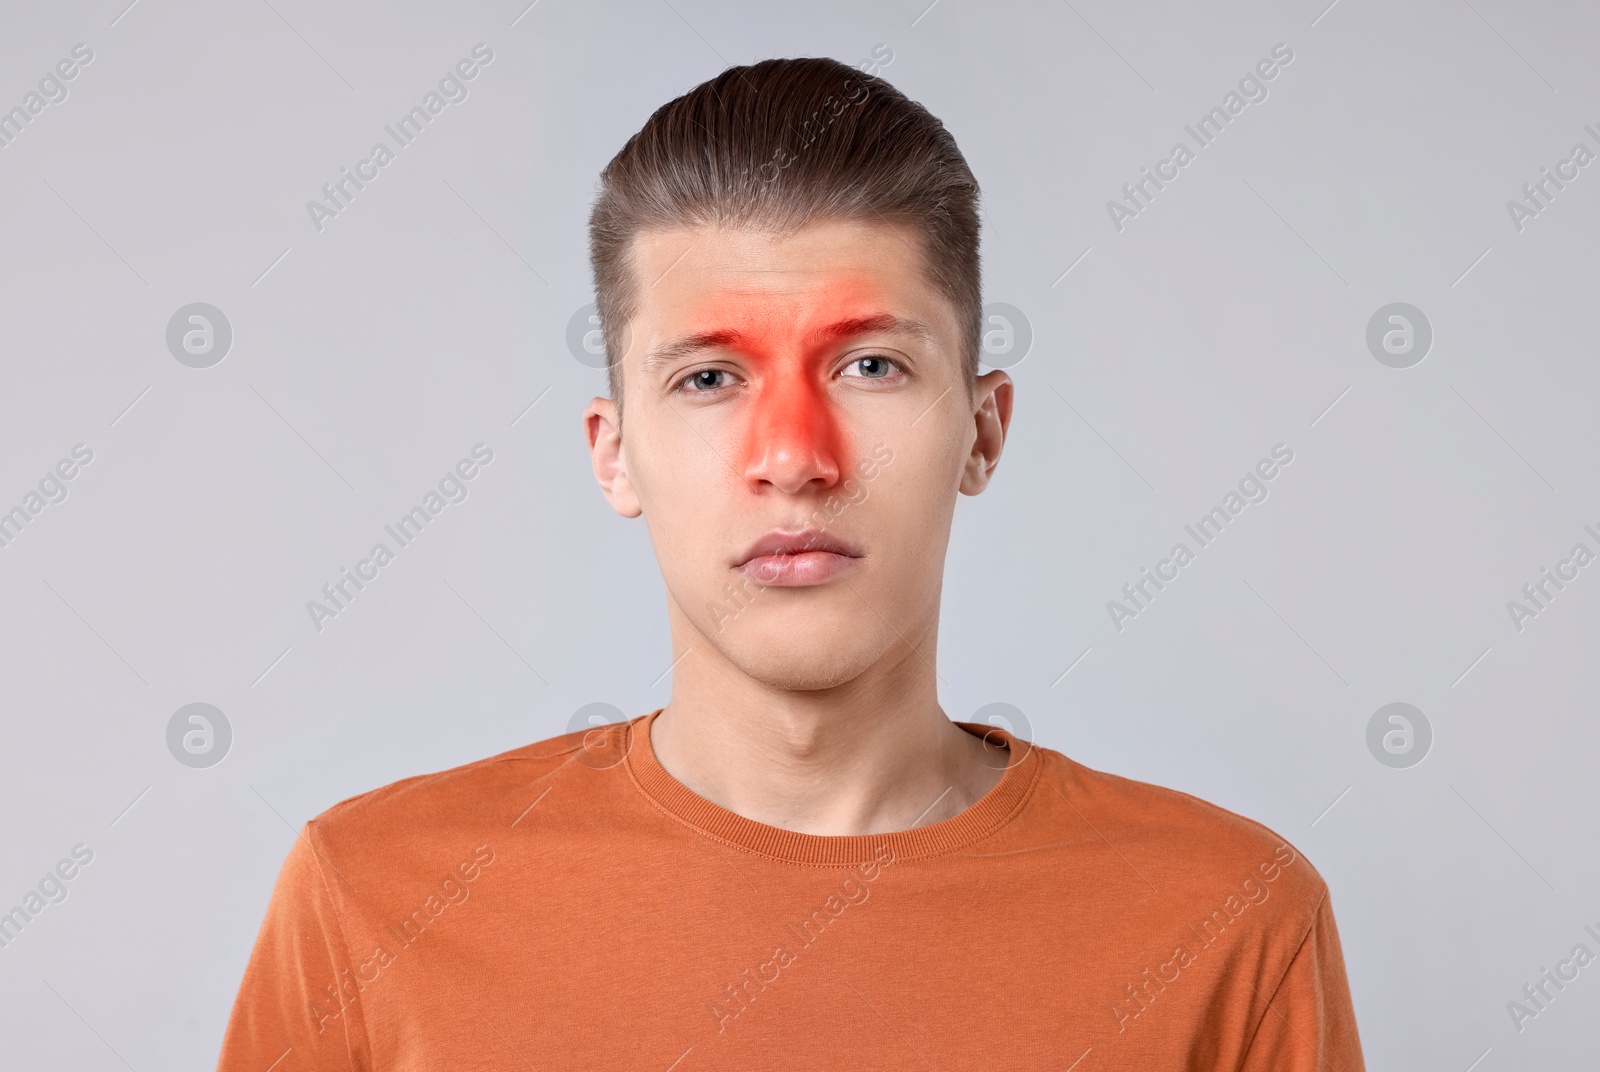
[{"x": 793, "y": 435}]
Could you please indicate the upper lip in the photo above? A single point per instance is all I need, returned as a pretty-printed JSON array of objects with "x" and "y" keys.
[{"x": 795, "y": 541}]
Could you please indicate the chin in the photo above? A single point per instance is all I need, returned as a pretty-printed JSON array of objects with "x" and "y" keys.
[{"x": 796, "y": 662}]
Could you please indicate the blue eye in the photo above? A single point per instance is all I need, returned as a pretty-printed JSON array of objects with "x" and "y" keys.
[
  {"x": 704, "y": 380},
  {"x": 873, "y": 367}
]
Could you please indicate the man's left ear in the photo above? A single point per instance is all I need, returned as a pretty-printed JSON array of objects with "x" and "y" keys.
[{"x": 992, "y": 393}]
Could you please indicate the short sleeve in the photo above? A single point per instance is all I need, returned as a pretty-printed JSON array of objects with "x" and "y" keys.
[
  {"x": 1310, "y": 1023},
  {"x": 295, "y": 1010}
]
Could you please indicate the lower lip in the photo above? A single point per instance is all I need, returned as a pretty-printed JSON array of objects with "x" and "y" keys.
[{"x": 793, "y": 571}]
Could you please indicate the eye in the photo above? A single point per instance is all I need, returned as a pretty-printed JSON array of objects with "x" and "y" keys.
[
  {"x": 703, "y": 381},
  {"x": 872, "y": 367}
]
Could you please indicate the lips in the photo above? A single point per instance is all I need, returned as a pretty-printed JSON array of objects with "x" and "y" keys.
[{"x": 796, "y": 558}]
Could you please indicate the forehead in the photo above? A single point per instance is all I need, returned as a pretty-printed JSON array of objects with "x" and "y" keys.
[{"x": 756, "y": 280}]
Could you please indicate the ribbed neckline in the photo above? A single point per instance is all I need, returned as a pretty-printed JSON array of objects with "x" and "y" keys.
[{"x": 996, "y": 806}]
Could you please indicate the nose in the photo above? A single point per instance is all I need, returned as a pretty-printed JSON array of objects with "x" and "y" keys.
[{"x": 793, "y": 438}]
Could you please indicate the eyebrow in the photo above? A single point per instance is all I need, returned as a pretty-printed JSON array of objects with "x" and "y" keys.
[{"x": 730, "y": 339}]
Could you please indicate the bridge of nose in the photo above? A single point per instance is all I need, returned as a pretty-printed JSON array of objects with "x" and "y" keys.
[{"x": 792, "y": 420}]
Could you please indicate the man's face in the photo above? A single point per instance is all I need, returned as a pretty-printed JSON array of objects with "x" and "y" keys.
[{"x": 798, "y": 426}]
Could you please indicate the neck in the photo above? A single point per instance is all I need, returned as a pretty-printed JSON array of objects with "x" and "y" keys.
[{"x": 872, "y": 755}]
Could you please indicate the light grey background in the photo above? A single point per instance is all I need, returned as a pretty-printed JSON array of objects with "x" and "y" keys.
[{"x": 1229, "y": 316}]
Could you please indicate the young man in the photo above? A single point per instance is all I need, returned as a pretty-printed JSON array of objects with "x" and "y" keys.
[{"x": 801, "y": 861}]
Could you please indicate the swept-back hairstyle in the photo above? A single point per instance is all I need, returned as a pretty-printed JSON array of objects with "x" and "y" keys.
[{"x": 778, "y": 145}]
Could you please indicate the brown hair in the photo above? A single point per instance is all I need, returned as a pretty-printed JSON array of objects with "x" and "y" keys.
[{"x": 777, "y": 145}]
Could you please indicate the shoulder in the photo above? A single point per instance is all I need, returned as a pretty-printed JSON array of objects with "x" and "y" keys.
[
  {"x": 446, "y": 810},
  {"x": 1185, "y": 847}
]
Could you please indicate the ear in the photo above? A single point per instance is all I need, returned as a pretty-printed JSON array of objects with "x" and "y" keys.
[
  {"x": 603, "y": 430},
  {"x": 992, "y": 418}
]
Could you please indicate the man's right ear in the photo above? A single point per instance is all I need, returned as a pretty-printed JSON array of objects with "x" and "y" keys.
[{"x": 603, "y": 429}]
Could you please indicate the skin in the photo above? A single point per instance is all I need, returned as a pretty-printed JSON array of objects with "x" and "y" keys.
[{"x": 812, "y": 708}]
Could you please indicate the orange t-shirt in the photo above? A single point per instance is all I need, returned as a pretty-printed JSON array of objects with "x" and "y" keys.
[{"x": 573, "y": 906}]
